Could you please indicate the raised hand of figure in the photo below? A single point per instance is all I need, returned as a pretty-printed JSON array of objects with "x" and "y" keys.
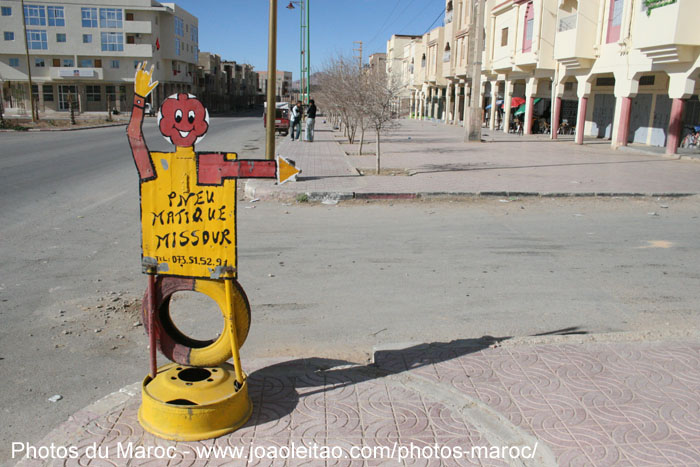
[{"x": 142, "y": 80}]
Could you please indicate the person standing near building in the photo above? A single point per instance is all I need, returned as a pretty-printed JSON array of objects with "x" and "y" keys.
[
  {"x": 310, "y": 121},
  {"x": 295, "y": 120}
]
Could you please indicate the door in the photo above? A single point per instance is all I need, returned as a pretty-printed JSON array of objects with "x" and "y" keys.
[
  {"x": 63, "y": 99},
  {"x": 603, "y": 114},
  {"x": 639, "y": 118},
  {"x": 662, "y": 117}
]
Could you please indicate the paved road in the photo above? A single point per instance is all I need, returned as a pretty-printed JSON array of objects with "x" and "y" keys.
[{"x": 324, "y": 281}]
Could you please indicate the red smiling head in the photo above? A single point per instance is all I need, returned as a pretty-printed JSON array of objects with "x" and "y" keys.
[{"x": 183, "y": 120}]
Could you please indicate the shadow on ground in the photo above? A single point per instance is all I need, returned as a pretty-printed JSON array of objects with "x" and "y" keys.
[{"x": 276, "y": 390}]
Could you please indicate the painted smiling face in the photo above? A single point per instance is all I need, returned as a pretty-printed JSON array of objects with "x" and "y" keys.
[{"x": 183, "y": 120}]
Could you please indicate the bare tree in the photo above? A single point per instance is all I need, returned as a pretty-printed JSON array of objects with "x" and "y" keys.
[
  {"x": 357, "y": 99},
  {"x": 380, "y": 93}
]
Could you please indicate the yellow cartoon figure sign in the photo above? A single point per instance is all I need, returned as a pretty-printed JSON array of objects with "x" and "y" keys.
[{"x": 188, "y": 198}]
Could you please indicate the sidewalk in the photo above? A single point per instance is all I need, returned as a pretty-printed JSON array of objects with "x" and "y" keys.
[
  {"x": 430, "y": 159},
  {"x": 580, "y": 403}
]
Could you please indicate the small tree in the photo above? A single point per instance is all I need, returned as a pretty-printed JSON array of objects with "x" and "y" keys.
[
  {"x": 379, "y": 95},
  {"x": 71, "y": 105}
]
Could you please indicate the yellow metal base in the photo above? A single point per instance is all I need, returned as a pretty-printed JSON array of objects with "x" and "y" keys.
[{"x": 185, "y": 403}]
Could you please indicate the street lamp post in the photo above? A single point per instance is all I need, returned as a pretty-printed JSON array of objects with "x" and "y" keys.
[
  {"x": 304, "y": 49},
  {"x": 35, "y": 110},
  {"x": 271, "y": 83}
]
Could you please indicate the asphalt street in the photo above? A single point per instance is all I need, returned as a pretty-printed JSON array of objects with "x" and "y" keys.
[{"x": 323, "y": 281}]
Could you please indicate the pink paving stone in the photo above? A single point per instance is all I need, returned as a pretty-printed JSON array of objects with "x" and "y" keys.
[{"x": 627, "y": 414}]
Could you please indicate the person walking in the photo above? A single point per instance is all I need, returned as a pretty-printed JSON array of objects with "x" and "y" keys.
[
  {"x": 295, "y": 121},
  {"x": 310, "y": 121}
]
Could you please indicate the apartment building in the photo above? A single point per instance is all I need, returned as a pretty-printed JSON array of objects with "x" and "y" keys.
[
  {"x": 622, "y": 70},
  {"x": 242, "y": 86},
  {"x": 86, "y": 52},
  {"x": 397, "y": 64},
  {"x": 283, "y": 87}
]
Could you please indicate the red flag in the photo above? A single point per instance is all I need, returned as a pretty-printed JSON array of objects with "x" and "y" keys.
[{"x": 157, "y": 44}]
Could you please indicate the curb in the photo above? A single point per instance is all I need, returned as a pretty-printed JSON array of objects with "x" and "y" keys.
[
  {"x": 267, "y": 194},
  {"x": 36, "y": 130}
]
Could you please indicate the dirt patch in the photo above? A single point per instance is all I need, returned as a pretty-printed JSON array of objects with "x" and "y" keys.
[{"x": 388, "y": 172}]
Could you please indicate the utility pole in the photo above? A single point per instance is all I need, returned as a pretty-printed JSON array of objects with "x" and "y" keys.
[
  {"x": 359, "y": 50},
  {"x": 35, "y": 111},
  {"x": 476, "y": 44},
  {"x": 271, "y": 83},
  {"x": 308, "y": 54}
]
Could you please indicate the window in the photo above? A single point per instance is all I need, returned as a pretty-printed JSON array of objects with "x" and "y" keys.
[
  {"x": 56, "y": 17},
  {"x": 9, "y": 35},
  {"x": 605, "y": 81},
  {"x": 34, "y": 15},
  {"x": 89, "y": 17},
  {"x": 647, "y": 80},
  {"x": 92, "y": 93},
  {"x": 177, "y": 46},
  {"x": 447, "y": 54},
  {"x": 114, "y": 64},
  {"x": 68, "y": 62},
  {"x": 48, "y": 92},
  {"x": 36, "y": 39},
  {"x": 130, "y": 39},
  {"x": 529, "y": 26},
  {"x": 137, "y": 63},
  {"x": 504, "y": 37},
  {"x": 614, "y": 20},
  {"x": 194, "y": 34},
  {"x": 56, "y": 62},
  {"x": 85, "y": 63},
  {"x": 98, "y": 63},
  {"x": 179, "y": 27},
  {"x": 60, "y": 37},
  {"x": 111, "y": 94},
  {"x": 129, "y": 16},
  {"x": 14, "y": 62},
  {"x": 39, "y": 63},
  {"x": 112, "y": 42},
  {"x": 7, "y": 11},
  {"x": 110, "y": 18},
  {"x": 422, "y": 61},
  {"x": 87, "y": 38},
  {"x": 35, "y": 92}
]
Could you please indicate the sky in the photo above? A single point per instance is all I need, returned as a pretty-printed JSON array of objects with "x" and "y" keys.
[{"x": 237, "y": 29}]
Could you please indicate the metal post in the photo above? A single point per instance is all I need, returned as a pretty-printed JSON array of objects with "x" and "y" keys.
[
  {"x": 473, "y": 120},
  {"x": 152, "y": 305},
  {"x": 307, "y": 52},
  {"x": 271, "y": 82},
  {"x": 35, "y": 112},
  {"x": 233, "y": 332},
  {"x": 301, "y": 50}
]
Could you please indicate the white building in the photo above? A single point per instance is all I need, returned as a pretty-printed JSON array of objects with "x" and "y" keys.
[{"x": 89, "y": 50}]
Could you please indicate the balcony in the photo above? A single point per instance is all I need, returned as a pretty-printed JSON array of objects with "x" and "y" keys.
[
  {"x": 137, "y": 27},
  {"x": 673, "y": 42},
  {"x": 137, "y": 50},
  {"x": 576, "y": 36},
  {"x": 75, "y": 73}
]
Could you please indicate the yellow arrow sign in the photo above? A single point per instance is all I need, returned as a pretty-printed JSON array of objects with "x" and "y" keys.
[{"x": 286, "y": 170}]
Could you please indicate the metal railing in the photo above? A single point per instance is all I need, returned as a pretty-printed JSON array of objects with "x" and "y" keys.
[{"x": 567, "y": 23}]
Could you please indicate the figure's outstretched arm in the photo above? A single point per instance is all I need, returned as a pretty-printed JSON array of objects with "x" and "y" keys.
[{"x": 142, "y": 88}]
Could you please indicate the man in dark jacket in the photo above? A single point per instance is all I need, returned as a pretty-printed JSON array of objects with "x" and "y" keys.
[{"x": 310, "y": 121}]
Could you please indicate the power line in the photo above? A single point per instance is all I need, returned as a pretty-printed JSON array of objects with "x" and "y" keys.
[
  {"x": 442, "y": 13},
  {"x": 381, "y": 28},
  {"x": 419, "y": 13}
]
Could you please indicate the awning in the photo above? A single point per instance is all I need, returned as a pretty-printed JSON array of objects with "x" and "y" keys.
[
  {"x": 498, "y": 102},
  {"x": 521, "y": 110},
  {"x": 515, "y": 102}
]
